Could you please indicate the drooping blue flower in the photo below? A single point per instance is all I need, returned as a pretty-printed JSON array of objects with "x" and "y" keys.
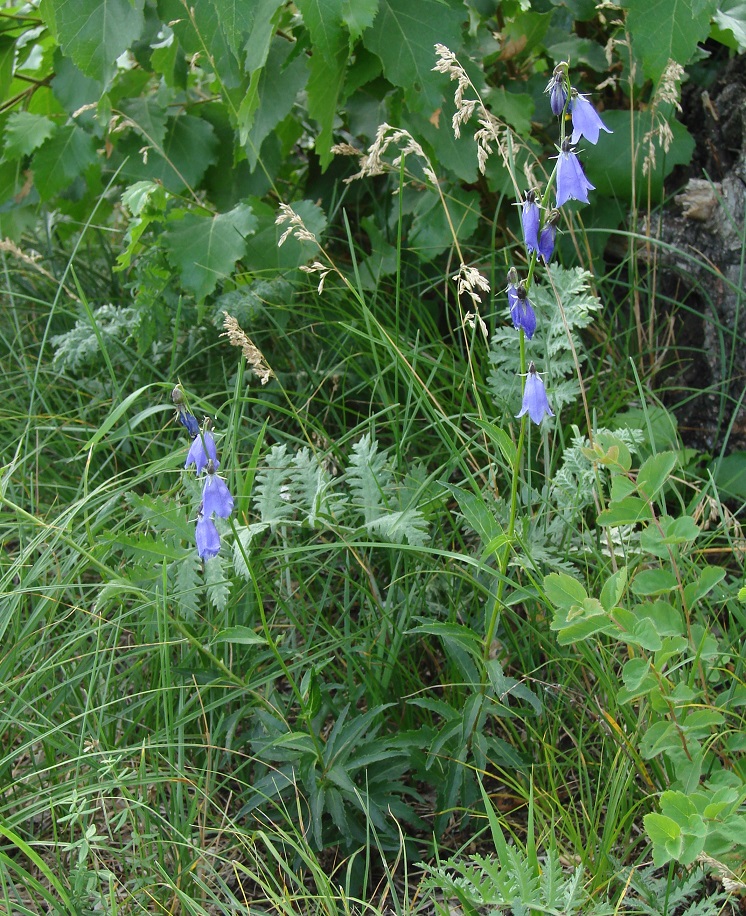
[
  {"x": 571, "y": 181},
  {"x": 216, "y": 498},
  {"x": 530, "y": 219},
  {"x": 557, "y": 91},
  {"x": 548, "y": 236},
  {"x": 189, "y": 421},
  {"x": 535, "y": 402},
  {"x": 586, "y": 121},
  {"x": 521, "y": 311},
  {"x": 207, "y": 537},
  {"x": 202, "y": 450}
]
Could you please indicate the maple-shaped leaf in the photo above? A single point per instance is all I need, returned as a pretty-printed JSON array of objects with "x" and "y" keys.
[
  {"x": 25, "y": 132},
  {"x": 205, "y": 249}
]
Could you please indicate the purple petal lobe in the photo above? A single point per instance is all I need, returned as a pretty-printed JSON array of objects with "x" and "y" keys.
[
  {"x": 202, "y": 449},
  {"x": 571, "y": 181},
  {"x": 530, "y": 220},
  {"x": 216, "y": 498},
  {"x": 586, "y": 121},
  {"x": 523, "y": 315},
  {"x": 535, "y": 402},
  {"x": 546, "y": 242},
  {"x": 189, "y": 421},
  {"x": 207, "y": 537}
]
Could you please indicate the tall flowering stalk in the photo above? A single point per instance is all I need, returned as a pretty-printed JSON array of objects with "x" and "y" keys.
[
  {"x": 217, "y": 501},
  {"x": 539, "y": 223}
]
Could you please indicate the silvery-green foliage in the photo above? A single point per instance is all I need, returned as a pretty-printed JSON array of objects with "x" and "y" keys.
[
  {"x": 571, "y": 288},
  {"x": 115, "y": 331},
  {"x": 297, "y": 490},
  {"x": 656, "y": 893},
  {"x": 511, "y": 884},
  {"x": 272, "y": 496},
  {"x": 369, "y": 479},
  {"x": 218, "y": 586},
  {"x": 575, "y": 480}
]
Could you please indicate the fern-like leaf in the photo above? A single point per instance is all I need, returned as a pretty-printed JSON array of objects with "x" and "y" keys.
[{"x": 369, "y": 479}]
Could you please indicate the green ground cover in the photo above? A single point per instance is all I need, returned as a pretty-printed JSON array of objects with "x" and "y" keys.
[{"x": 352, "y": 558}]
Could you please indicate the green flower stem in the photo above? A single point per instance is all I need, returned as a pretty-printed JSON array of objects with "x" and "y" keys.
[{"x": 505, "y": 557}]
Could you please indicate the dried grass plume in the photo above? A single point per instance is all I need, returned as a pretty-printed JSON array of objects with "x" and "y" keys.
[{"x": 239, "y": 338}]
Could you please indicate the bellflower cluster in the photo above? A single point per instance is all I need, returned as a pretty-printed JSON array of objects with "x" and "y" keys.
[
  {"x": 216, "y": 498},
  {"x": 540, "y": 227}
]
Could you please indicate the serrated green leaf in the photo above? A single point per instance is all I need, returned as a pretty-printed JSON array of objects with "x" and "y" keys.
[
  {"x": 324, "y": 89},
  {"x": 672, "y": 532},
  {"x": 279, "y": 84},
  {"x": 205, "y": 249},
  {"x": 432, "y": 229},
  {"x": 147, "y": 116},
  {"x": 404, "y": 34},
  {"x": 24, "y": 132},
  {"x": 664, "y": 30},
  {"x": 610, "y": 167},
  {"x": 323, "y": 18},
  {"x": 94, "y": 32},
  {"x": 62, "y": 159},
  {"x": 730, "y": 17},
  {"x": 358, "y": 15},
  {"x": 189, "y": 148}
]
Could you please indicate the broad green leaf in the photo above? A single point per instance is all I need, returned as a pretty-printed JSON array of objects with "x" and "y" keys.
[
  {"x": 660, "y": 737},
  {"x": 205, "y": 249},
  {"x": 672, "y": 532},
  {"x": 730, "y": 475},
  {"x": 515, "y": 108},
  {"x": 654, "y": 582},
  {"x": 638, "y": 631},
  {"x": 664, "y": 30},
  {"x": 189, "y": 148},
  {"x": 7, "y": 57},
  {"x": 654, "y": 473},
  {"x": 609, "y": 163},
  {"x": 665, "y": 835},
  {"x": 24, "y": 132},
  {"x": 279, "y": 84},
  {"x": 636, "y": 674},
  {"x": 243, "y": 636},
  {"x": 627, "y": 511},
  {"x": 707, "y": 579},
  {"x": 94, "y": 32},
  {"x": 404, "y": 34},
  {"x": 613, "y": 589},
  {"x": 564, "y": 591},
  {"x": 323, "y": 19},
  {"x": 257, "y": 46},
  {"x": 62, "y": 159},
  {"x": 730, "y": 18},
  {"x": 358, "y": 15},
  {"x": 431, "y": 233},
  {"x": 324, "y": 90}
]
